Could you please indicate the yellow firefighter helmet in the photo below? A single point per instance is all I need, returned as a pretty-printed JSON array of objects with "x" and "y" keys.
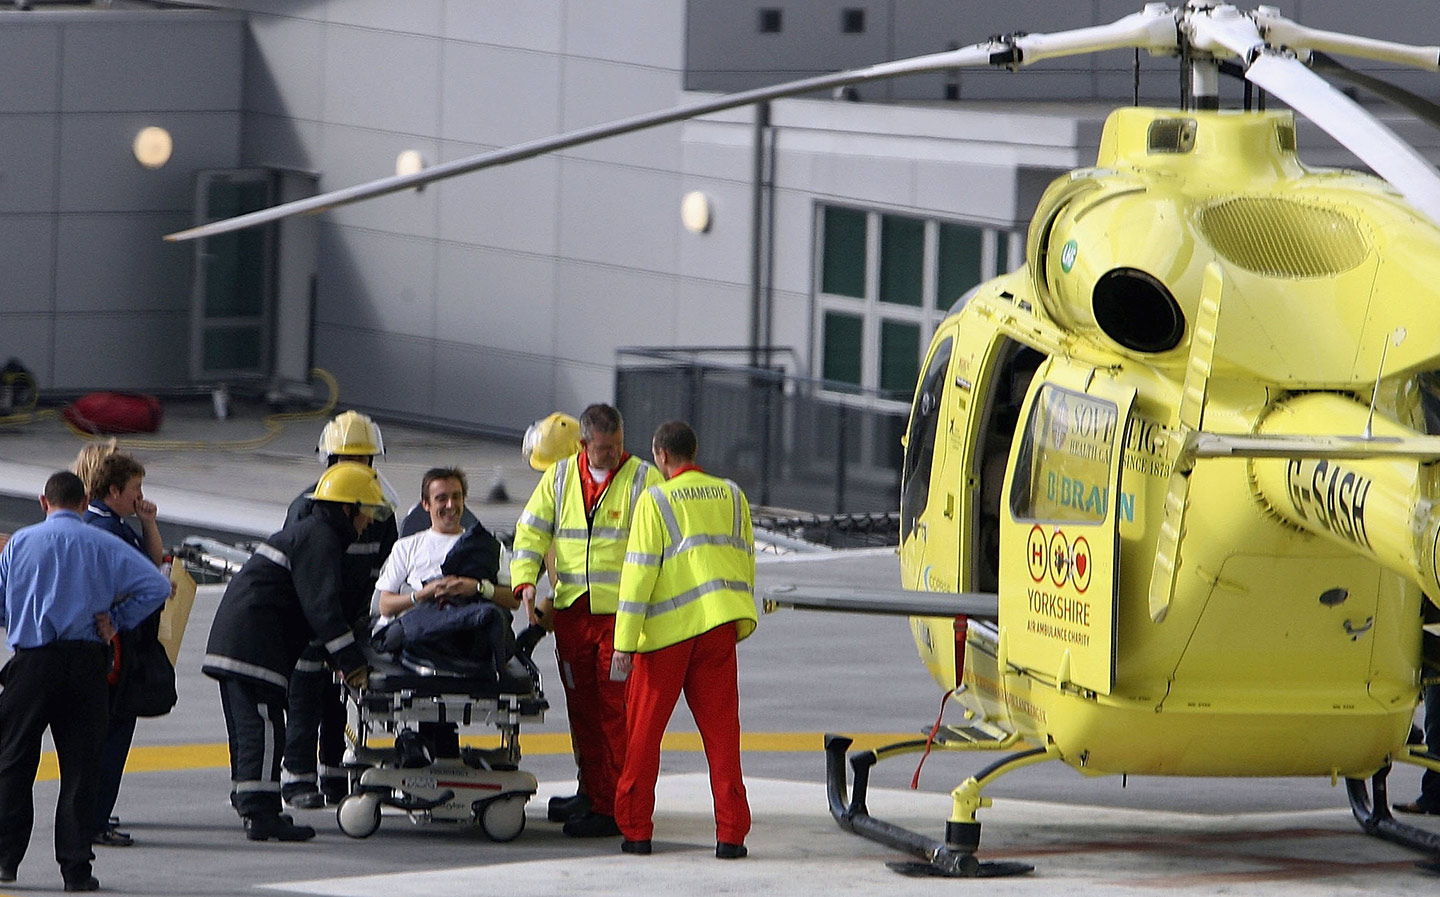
[
  {"x": 350, "y": 482},
  {"x": 549, "y": 440},
  {"x": 351, "y": 433}
]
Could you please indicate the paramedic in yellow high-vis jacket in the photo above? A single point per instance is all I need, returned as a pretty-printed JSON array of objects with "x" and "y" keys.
[
  {"x": 582, "y": 508},
  {"x": 686, "y": 597}
]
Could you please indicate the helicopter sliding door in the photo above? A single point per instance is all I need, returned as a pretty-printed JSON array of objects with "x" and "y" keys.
[{"x": 1059, "y": 550}]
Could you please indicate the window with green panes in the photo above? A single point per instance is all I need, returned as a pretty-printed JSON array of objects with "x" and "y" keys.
[
  {"x": 843, "y": 266},
  {"x": 899, "y": 357},
  {"x": 885, "y": 281},
  {"x": 842, "y": 350},
  {"x": 902, "y": 260}
]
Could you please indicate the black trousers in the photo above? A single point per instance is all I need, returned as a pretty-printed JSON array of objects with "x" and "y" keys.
[
  {"x": 255, "y": 723},
  {"x": 60, "y": 686},
  {"x": 315, "y": 719}
]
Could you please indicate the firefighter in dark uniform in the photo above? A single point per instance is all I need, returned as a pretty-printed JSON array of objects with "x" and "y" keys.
[
  {"x": 286, "y": 596},
  {"x": 315, "y": 714}
]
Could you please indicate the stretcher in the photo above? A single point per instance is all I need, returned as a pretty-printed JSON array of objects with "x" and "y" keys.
[{"x": 427, "y": 774}]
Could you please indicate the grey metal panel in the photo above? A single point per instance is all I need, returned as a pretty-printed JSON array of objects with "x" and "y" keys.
[
  {"x": 981, "y": 194},
  {"x": 495, "y": 299},
  {"x": 479, "y": 383},
  {"x": 411, "y": 17},
  {"x": 713, "y": 314},
  {"x": 279, "y": 142},
  {"x": 129, "y": 350},
  {"x": 532, "y": 25},
  {"x": 27, "y": 263},
  {"x": 112, "y": 262},
  {"x": 353, "y": 155},
  {"x": 575, "y": 385},
  {"x": 498, "y": 96},
  {"x": 380, "y": 370},
  {"x": 641, "y": 32},
  {"x": 721, "y": 254},
  {"x": 791, "y": 316},
  {"x": 98, "y": 172},
  {"x": 596, "y": 92},
  {"x": 794, "y": 239},
  {"x": 603, "y": 307},
  {"x": 376, "y": 281},
  {"x": 123, "y": 63},
  {"x": 282, "y": 71},
  {"x": 619, "y": 216},
  {"x": 29, "y": 67},
  {"x": 28, "y": 146},
  {"x": 512, "y": 207},
  {"x": 27, "y": 337},
  {"x": 382, "y": 80}
]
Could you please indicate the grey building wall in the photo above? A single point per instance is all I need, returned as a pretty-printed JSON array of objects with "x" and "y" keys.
[
  {"x": 494, "y": 298},
  {"x": 90, "y": 297}
]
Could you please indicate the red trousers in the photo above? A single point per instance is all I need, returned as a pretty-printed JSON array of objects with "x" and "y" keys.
[
  {"x": 704, "y": 668},
  {"x": 596, "y": 706}
]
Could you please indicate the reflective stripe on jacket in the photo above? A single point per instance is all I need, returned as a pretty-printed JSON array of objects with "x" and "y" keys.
[
  {"x": 689, "y": 566},
  {"x": 588, "y": 551}
]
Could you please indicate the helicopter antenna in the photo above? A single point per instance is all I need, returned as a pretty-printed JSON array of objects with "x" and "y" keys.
[{"x": 1397, "y": 337}]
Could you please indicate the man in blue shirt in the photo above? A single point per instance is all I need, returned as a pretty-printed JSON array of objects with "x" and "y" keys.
[{"x": 65, "y": 589}]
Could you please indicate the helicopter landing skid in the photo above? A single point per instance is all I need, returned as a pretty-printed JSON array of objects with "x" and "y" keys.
[
  {"x": 1372, "y": 810},
  {"x": 938, "y": 859}
]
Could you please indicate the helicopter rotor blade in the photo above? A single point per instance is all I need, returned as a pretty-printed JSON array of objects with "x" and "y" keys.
[
  {"x": 1418, "y": 106},
  {"x": 1225, "y": 30},
  {"x": 1153, "y": 29},
  {"x": 1282, "y": 32}
]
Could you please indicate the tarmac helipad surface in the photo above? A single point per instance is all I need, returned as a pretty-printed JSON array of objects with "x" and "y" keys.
[{"x": 801, "y": 675}]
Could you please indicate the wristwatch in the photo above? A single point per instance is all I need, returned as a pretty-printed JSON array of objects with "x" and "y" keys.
[{"x": 484, "y": 589}]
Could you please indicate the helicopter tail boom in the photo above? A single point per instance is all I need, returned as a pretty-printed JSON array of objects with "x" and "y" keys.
[{"x": 1372, "y": 496}]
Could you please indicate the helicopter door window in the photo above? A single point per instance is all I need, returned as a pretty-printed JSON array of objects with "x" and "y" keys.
[
  {"x": 920, "y": 444},
  {"x": 1063, "y": 471}
]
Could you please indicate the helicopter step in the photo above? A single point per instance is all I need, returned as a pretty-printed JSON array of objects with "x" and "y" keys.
[
  {"x": 952, "y": 858},
  {"x": 973, "y": 736}
]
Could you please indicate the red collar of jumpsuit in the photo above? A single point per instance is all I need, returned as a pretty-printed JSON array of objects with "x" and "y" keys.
[
  {"x": 686, "y": 468},
  {"x": 590, "y": 488}
]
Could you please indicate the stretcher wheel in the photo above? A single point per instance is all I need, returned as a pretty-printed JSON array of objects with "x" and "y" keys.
[
  {"x": 503, "y": 819},
  {"x": 359, "y": 815}
]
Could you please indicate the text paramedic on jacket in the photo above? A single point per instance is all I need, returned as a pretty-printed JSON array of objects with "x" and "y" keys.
[
  {"x": 686, "y": 597},
  {"x": 583, "y": 506}
]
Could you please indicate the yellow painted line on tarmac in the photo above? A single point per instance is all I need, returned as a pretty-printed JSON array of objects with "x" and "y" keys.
[{"x": 164, "y": 758}]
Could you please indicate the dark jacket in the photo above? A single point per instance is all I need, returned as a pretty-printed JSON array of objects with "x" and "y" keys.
[
  {"x": 287, "y": 594},
  {"x": 363, "y": 557}
]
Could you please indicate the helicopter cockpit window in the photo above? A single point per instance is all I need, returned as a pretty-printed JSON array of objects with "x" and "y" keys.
[
  {"x": 920, "y": 442},
  {"x": 1063, "y": 471}
]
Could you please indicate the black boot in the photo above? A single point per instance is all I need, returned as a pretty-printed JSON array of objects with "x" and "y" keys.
[{"x": 264, "y": 826}]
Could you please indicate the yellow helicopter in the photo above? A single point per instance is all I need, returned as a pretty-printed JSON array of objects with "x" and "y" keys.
[{"x": 1167, "y": 499}]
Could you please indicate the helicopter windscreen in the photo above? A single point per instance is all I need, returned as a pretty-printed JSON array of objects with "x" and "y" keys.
[{"x": 920, "y": 442}]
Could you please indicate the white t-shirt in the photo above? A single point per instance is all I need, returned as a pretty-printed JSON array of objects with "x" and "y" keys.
[{"x": 415, "y": 560}]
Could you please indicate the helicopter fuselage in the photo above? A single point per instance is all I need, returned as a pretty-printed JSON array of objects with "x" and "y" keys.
[{"x": 1159, "y": 614}]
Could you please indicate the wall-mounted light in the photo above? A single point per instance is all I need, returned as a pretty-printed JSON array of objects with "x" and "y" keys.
[
  {"x": 152, "y": 147},
  {"x": 409, "y": 162},
  {"x": 695, "y": 212}
]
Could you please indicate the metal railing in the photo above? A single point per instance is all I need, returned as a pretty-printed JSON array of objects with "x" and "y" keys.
[{"x": 812, "y": 446}]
